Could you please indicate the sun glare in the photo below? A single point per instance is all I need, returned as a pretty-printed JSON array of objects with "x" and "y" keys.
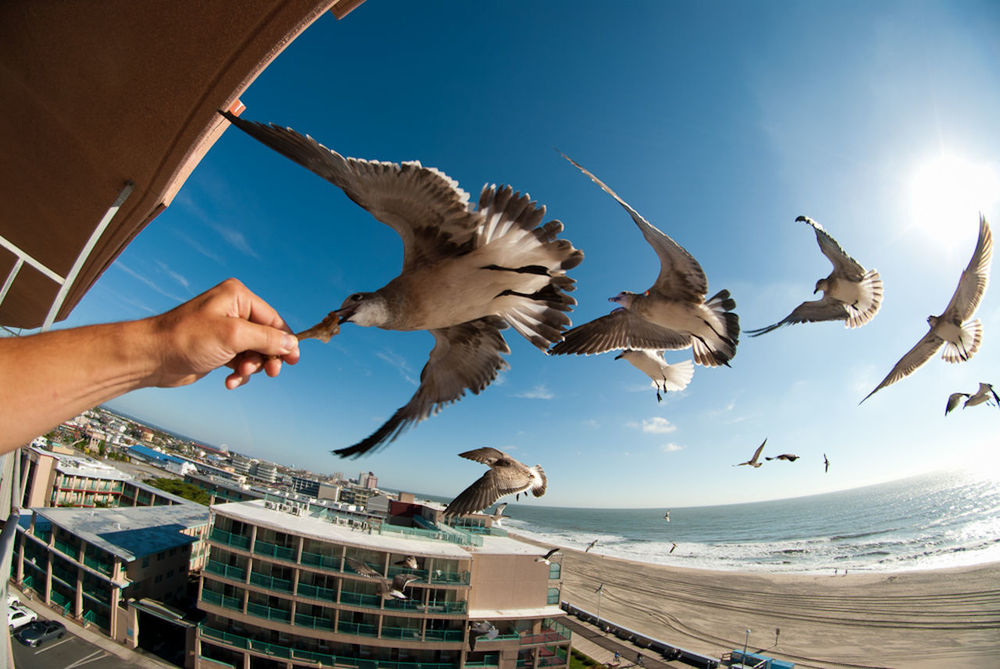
[{"x": 948, "y": 193}]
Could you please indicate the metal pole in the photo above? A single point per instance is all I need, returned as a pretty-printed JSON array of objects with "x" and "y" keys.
[
  {"x": 746, "y": 641},
  {"x": 600, "y": 591}
]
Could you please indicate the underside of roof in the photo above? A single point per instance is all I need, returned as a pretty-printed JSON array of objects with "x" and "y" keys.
[{"x": 96, "y": 96}]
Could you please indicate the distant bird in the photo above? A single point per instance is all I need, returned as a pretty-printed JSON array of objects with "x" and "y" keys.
[
  {"x": 850, "y": 293},
  {"x": 673, "y": 314},
  {"x": 666, "y": 516},
  {"x": 590, "y": 545},
  {"x": 506, "y": 476},
  {"x": 784, "y": 456},
  {"x": 755, "y": 460},
  {"x": 673, "y": 548},
  {"x": 362, "y": 569},
  {"x": 399, "y": 583},
  {"x": 826, "y": 464},
  {"x": 960, "y": 336},
  {"x": 547, "y": 558},
  {"x": 984, "y": 394},
  {"x": 467, "y": 273},
  {"x": 483, "y": 628},
  {"x": 666, "y": 377},
  {"x": 498, "y": 514},
  {"x": 410, "y": 562}
]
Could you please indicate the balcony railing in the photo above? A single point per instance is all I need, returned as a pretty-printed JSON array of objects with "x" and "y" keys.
[
  {"x": 313, "y": 622},
  {"x": 273, "y": 550},
  {"x": 357, "y": 629},
  {"x": 319, "y": 560},
  {"x": 65, "y": 547},
  {"x": 217, "y": 598},
  {"x": 230, "y": 539},
  {"x": 98, "y": 564},
  {"x": 360, "y": 599},
  {"x": 228, "y": 571},
  {"x": 271, "y": 582},
  {"x": 412, "y": 633},
  {"x": 246, "y": 643},
  {"x": 269, "y": 612},
  {"x": 444, "y": 635},
  {"x": 316, "y": 592}
]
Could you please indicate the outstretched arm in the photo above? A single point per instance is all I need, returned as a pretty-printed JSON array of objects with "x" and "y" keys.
[{"x": 49, "y": 377}]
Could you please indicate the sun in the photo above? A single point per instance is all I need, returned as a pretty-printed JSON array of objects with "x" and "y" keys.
[{"x": 947, "y": 194}]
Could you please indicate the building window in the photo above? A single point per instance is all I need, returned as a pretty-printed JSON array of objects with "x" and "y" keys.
[
  {"x": 553, "y": 597},
  {"x": 145, "y": 562},
  {"x": 159, "y": 577},
  {"x": 555, "y": 571}
]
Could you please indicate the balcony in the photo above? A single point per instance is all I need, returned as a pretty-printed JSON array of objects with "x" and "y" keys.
[
  {"x": 357, "y": 629},
  {"x": 297, "y": 654},
  {"x": 444, "y": 635},
  {"x": 313, "y": 622},
  {"x": 359, "y": 599},
  {"x": 217, "y": 598},
  {"x": 98, "y": 564},
  {"x": 408, "y": 633},
  {"x": 316, "y": 592},
  {"x": 318, "y": 560},
  {"x": 449, "y": 577},
  {"x": 226, "y": 571},
  {"x": 269, "y": 612},
  {"x": 230, "y": 539},
  {"x": 72, "y": 550},
  {"x": 271, "y": 582},
  {"x": 273, "y": 550}
]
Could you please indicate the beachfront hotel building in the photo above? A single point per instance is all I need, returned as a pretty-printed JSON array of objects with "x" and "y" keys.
[
  {"x": 278, "y": 591},
  {"x": 92, "y": 564}
]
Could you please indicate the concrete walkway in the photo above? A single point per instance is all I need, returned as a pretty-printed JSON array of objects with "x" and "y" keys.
[
  {"x": 600, "y": 646},
  {"x": 134, "y": 658}
]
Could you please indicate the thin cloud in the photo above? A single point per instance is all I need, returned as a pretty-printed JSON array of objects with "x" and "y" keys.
[
  {"x": 591, "y": 423},
  {"x": 198, "y": 247},
  {"x": 146, "y": 280},
  {"x": 179, "y": 278},
  {"x": 400, "y": 364},
  {"x": 671, "y": 447},
  {"x": 656, "y": 425},
  {"x": 540, "y": 392},
  {"x": 235, "y": 239}
]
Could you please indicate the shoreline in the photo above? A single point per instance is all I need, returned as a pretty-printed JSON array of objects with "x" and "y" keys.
[{"x": 914, "y": 618}]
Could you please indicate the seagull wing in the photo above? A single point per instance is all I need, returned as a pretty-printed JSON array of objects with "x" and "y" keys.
[
  {"x": 400, "y": 581},
  {"x": 915, "y": 357},
  {"x": 843, "y": 264},
  {"x": 504, "y": 477},
  {"x": 972, "y": 284},
  {"x": 422, "y": 204},
  {"x": 362, "y": 569},
  {"x": 619, "y": 329},
  {"x": 681, "y": 277},
  {"x": 756, "y": 454},
  {"x": 551, "y": 553},
  {"x": 464, "y": 357},
  {"x": 825, "y": 309},
  {"x": 953, "y": 401},
  {"x": 486, "y": 455}
]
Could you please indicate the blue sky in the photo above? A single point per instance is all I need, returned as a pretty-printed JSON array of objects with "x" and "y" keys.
[{"x": 720, "y": 123}]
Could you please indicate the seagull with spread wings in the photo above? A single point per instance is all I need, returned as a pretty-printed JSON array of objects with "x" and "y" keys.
[
  {"x": 755, "y": 460},
  {"x": 960, "y": 336},
  {"x": 386, "y": 587},
  {"x": 984, "y": 394},
  {"x": 673, "y": 314},
  {"x": 590, "y": 545},
  {"x": 850, "y": 293},
  {"x": 666, "y": 377},
  {"x": 467, "y": 273},
  {"x": 506, "y": 476},
  {"x": 787, "y": 457}
]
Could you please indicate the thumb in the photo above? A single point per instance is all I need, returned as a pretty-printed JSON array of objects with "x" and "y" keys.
[{"x": 263, "y": 339}]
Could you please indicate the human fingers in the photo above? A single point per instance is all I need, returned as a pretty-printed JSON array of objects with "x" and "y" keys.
[
  {"x": 263, "y": 339},
  {"x": 251, "y": 307}
]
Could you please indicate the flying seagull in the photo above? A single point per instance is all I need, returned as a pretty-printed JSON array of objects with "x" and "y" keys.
[
  {"x": 590, "y": 545},
  {"x": 960, "y": 336},
  {"x": 498, "y": 514},
  {"x": 755, "y": 460},
  {"x": 984, "y": 394},
  {"x": 547, "y": 558},
  {"x": 673, "y": 548},
  {"x": 666, "y": 516},
  {"x": 362, "y": 569},
  {"x": 483, "y": 628},
  {"x": 850, "y": 293},
  {"x": 826, "y": 464},
  {"x": 410, "y": 562},
  {"x": 789, "y": 457},
  {"x": 506, "y": 476},
  {"x": 673, "y": 314},
  {"x": 399, "y": 583},
  {"x": 665, "y": 376},
  {"x": 467, "y": 273}
]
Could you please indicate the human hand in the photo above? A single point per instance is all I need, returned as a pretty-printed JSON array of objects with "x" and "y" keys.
[{"x": 226, "y": 325}]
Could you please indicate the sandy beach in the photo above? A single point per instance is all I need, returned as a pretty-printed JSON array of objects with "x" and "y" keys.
[{"x": 941, "y": 618}]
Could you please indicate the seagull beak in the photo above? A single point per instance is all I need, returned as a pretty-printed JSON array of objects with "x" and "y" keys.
[{"x": 344, "y": 314}]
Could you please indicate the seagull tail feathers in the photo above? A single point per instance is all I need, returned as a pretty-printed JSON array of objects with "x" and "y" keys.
[
  {"x": 868, "y": 303},
  {"x": 722, "y": 348},
  {"x": 968, "y": 343}
]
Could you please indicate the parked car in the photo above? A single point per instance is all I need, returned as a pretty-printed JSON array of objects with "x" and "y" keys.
[
  {"x": 40, "y": 631},
  {"x": 12, "y": 599},
  {"x": 18, "y": 616}
]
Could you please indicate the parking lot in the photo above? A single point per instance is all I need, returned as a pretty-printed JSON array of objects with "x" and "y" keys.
[{"x": 68, "y": 652}]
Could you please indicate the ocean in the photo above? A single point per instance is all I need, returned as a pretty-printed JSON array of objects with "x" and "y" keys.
[{"x": 928, "y": 522}]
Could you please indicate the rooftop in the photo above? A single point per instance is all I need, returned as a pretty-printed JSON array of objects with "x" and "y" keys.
[
  {"x": 74, "y": 465},
  {"x": 130, "y": 532}
]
